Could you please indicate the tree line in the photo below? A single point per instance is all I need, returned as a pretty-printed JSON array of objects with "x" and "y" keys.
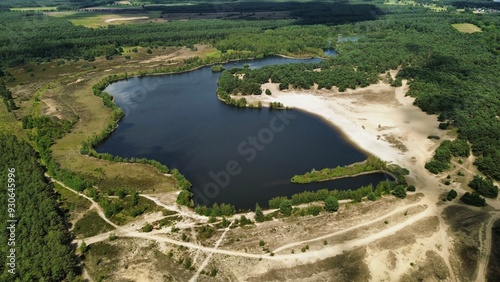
[{"x": 371, "y": 164}]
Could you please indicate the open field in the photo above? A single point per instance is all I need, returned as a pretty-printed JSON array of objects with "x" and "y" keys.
[
  {"x": 101, "y": 19},
  {"x": 466, "y": 27}
]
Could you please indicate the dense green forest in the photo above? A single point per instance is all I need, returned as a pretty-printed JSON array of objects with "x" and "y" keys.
[
  {"x": 42, "y": 249},
  {"x": 37, "y": 37},
  {"x": 61, "y": 4}
]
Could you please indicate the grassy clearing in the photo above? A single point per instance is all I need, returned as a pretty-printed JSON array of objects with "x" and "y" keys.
[
  {"x": 90, "y": 225},
  {"x": 466, "y": 28},
  {"x": 36, "y": 9},
  {"x": 98, "y": 19}
]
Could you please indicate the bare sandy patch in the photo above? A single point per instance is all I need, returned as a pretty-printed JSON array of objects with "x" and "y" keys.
[
  {"x": 76, "y": 81},
  {"x": 126, "y": 19},
  {"x": 51, "y": 108}
]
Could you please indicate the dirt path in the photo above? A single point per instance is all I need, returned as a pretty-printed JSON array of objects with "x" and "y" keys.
[
  {"x": 378, "y": 219},
  {"x": 205, "y": 262},
  {"x": 175, "y": 208},
  {"x": 485, "y": 248},
  {"x": 325, "y": 252},
  {"x": 95, "y": 205},
  {"x": 463, "y": 167}
]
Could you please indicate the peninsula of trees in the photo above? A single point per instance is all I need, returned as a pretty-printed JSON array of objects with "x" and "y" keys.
[{"x": 370, "y": 165}]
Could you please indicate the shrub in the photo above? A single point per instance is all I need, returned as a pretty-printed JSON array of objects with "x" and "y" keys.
[
  {"x": 473, "y": 199},
  {"x": 331, "y": 204},
  {"x": 244, "y": 221},
  {"x": 484, "y": 186},
  {"x": 83, "y": 248},
  {"x": 400, "y": 191},
  {"x": 259, "y": 215},
  {"x": 410, "y": 188},
  {"x": 451, "y": 195},
  {"x": 443, "y": 125},
  {"x": 372, "y": 196},
  {"x": 286, "y": 207},
  {"x": 314, "y": 210},
  {"x": 147, "y": 228}
]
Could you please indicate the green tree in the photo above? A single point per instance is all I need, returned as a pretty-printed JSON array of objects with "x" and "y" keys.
[
  {"x": 83, "y": 248},
  {"x": 451, "y": 195},
  {"x": 259, "y": 215},
  {"x": 331, "y": 204},
  {"x": 473, "y": 199},
  {"x": 400, "y": 191},
  {"x": 286, "y": 207},
  {"x": 134, "y": 198},
  {"x": 121, "y": 193},
  {"x": 484, "y": 186}
]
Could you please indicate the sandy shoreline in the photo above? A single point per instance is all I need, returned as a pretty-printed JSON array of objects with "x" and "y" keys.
[{"x": 378, "y": 119}]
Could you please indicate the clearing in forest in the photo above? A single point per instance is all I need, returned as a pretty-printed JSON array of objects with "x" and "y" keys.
[{"x": 466, "y": 27}]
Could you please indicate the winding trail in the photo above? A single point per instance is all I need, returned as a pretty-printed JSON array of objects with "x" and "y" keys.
[
  {"x": 129, "y": 231},
  {"x": 486, "y": 248},
  {"x": 175, "y": 208},
  {"x": 95, "y": 205},
  {"x": 378, "y": 219},
  {"x": 309, "y": 256},
  {"x": 205, "y": 262}
]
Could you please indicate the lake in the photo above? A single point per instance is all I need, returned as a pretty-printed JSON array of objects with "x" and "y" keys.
[{"x": 231, "y": 155}]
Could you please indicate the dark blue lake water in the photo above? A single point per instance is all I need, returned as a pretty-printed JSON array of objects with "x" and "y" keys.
[{"x": 237, "y": 156}]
